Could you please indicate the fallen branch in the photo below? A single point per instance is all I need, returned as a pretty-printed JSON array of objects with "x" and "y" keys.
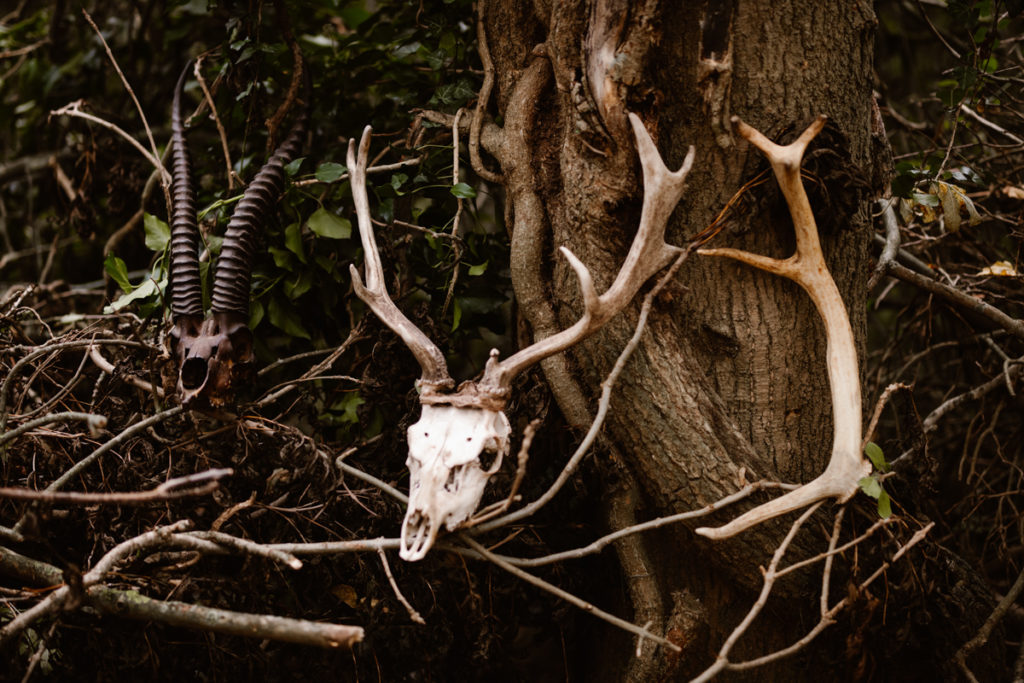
[{"x": 197, "y": 484}]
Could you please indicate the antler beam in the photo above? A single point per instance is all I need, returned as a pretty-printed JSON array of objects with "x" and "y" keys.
[
  {"x": 375, "y": 293},
  {"x": 648, "y": 254},
  {"x": 807, "y": 268}
]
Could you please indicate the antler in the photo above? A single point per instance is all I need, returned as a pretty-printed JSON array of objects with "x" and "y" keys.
[
  {"x": 375, "y": 293},
  {"x": 807, "y": 268},
  {"x": 648, "y": 254}
]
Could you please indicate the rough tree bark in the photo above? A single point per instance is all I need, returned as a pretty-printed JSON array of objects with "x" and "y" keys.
[
  {"x": 731, "y": 373},
  {"x": 729, "y": 383}
]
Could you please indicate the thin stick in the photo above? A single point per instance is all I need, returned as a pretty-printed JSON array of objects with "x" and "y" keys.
[
  {"x": 877, "y": 414},
  {"x": 981, "y": 637},
  {"x": 640, "y": 631},
  {"x": 37, "y": 351},
  {"x": 521, "y": 459},
  {"x": 829, "y": 618},
  {"x": 413, "y": 614},
  {"x": 131, "y": 93},
  {"x": 96, "y": 423},
  {"x": 247, "y": 546},
  {"x": 608, "y": 539},
  {"x": 603, "y": 406},
  {"x": 458, "y": 213},
  {"x": 955, "y": 296},
  {"x": 172, "y": 489},
  {"x": 72, "y": 109},
  {"x": 198, "y": 73},
  {"x": 106, "y": 366},
  {"x": 722, "y": 660},
  {"x": 92, "y": 457}
]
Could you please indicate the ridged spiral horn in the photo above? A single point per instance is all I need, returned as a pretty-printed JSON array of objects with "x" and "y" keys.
[
  {"x": 185, "y": 283},
  {"x": 234, "y": 268}
]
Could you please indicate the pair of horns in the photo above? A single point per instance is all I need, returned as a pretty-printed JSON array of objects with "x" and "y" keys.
[{"x": 234, "y": 268}]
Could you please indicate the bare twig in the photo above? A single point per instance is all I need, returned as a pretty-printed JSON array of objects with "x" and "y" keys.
[
  {"x": 132, "y": 605},
  {"x": 1012, "y": 373},
  {"x": 232, "y": 176},
  {"x": 413, "y": 614},
  {"x": 37, "y": 351},
  {"x": 128, "y": 88},
  {"x": 981, "y": 637},
  {"x": 74, "y": 110},
  {"x": 603, "y": 406},
  {"x": 879, "y": 407},
  {"x": 722, "y": 660},
  {"x": 197, "y": 484},
  {"x": 640, "y": 631},
  {"x": 96, "y": 423},
  {"x": 108, "y": 367},
  {"x": 955, "y": 296},
  {"x": 892, "y": 243},
  {"x": 247, "y": 546},
  {"x": 521, "y": 459}
]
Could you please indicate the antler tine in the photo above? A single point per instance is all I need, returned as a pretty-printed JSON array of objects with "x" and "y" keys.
[
  {"x": 234, "y": 269},
  {"x": 185, "y": 283},
  {"x": 807, "y": 268},
  {"x": 375, "y": 293},
  {"x": 648, "y": 254}
]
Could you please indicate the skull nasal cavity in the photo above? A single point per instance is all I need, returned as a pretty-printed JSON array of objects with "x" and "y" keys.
[
  {"x": 450, "y": 483},
  {"x": 193, "y": 373}
]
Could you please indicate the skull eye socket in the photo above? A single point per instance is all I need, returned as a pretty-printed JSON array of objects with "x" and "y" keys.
[
  {"x": 193, "y": 373},
  {"x": 487, "y": 459}
]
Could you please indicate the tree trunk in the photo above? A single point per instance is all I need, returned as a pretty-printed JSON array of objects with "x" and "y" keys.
[{"x": 730, "y": 376}]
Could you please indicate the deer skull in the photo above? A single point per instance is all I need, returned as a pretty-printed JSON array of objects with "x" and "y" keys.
[
  {"x": 453, "y": 451},
  {"x": 456, "y": 429}
]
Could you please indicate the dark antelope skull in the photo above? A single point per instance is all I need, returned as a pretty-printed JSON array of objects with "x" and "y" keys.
[
  {"x": 453, "y": 451},
  {"x": 215, "y": 357},
  {"x": 215, "y": 354}
]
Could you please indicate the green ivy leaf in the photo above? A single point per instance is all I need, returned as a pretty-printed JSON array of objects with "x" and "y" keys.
[
  {"x": 256, "y": 312},
  {"x": 292, "y": 167},
  {"x": 293, "y": 240},
  {"x": 158, "y": 233},
  {"x": 456, "y": 314},
  {"x": 296, "y": 286},
  {"x": 478, "y": 270},
  {"x": 330, "y": 171},
  {"x": 463, "y": 191},
  {"x": 147, "y": 288},
  {"x": 870, "y": 486},
  {"x": 884, "y": 505},
  {"x": 876, "y": 457},
  {"x": 282, "y": 258},
  {"x": 118, "y": 271},
  {"x": 326, "y": 224},
  {"x": 397, "y": 180},
  {"x": 285, "y": 318}
]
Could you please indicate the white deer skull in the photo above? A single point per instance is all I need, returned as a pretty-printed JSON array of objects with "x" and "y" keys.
[
  {"x": 453, "y": 451},
  {"x": 457, "y": 427}
]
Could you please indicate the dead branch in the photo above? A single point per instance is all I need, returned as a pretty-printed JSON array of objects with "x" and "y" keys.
[{"x": 190, "y": 485}]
